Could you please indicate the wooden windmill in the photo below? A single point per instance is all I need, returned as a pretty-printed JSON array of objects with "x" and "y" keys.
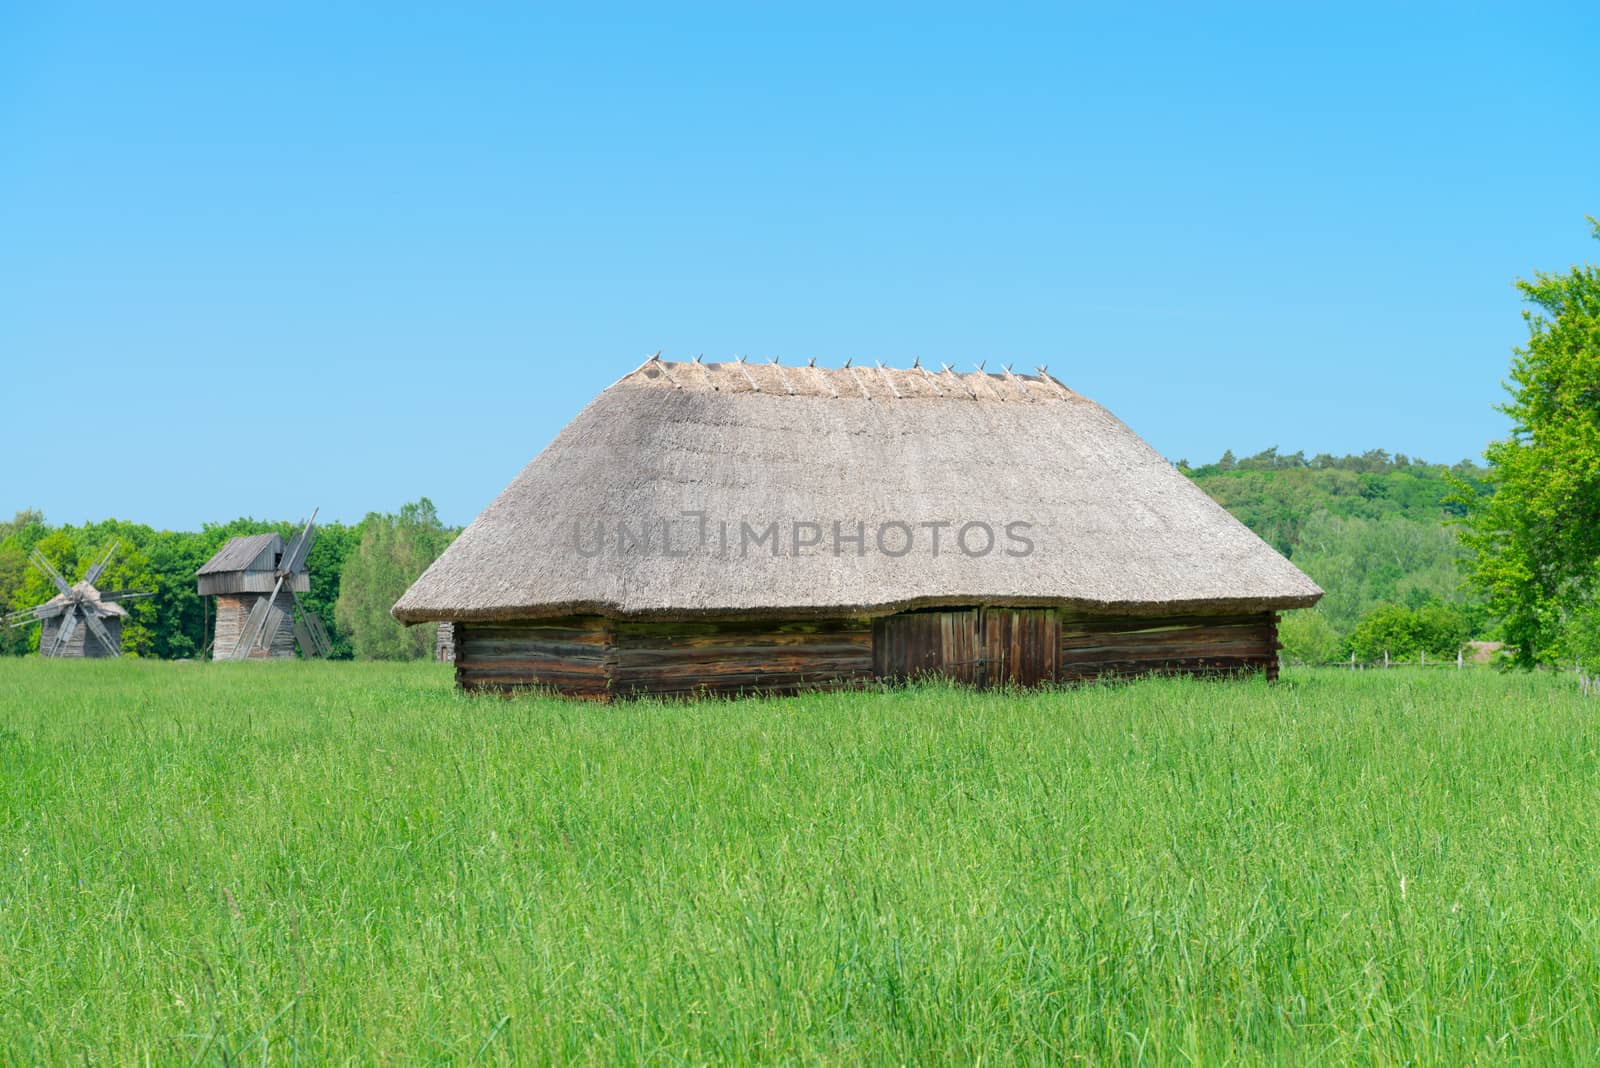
[
  {"x": 79, "y": 621},
  {"x": 257, "y": 581}
]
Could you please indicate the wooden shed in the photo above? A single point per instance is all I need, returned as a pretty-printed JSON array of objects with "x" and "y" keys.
[
  {"x": 244, "y": 571},
  {"x": 734, "y": 527}
]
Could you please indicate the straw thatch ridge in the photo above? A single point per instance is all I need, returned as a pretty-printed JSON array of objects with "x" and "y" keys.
[{"x": 1113, "y": 526}]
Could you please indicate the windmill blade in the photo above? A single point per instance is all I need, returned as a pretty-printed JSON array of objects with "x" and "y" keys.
[
  {"x": 37, "y": 612},
  {"x": 125, "y": 595},
  {"x": 249, "y": 632},
  {"x": 50, "y": 572},
  {"x": 255, "y": 625},
  {"x": 302, "y": 638},
  {"x": 294, "y": 557},
  {"x": 99, "y": 631},
  {"x": 69, "y": 627},
  {"x": 319, "y": 635},
  {"x": 308, "y": 631},
  {"x": 100, "y": 565},
  {"x": 28, "y": 615}
]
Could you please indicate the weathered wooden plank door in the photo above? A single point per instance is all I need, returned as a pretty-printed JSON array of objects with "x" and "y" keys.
[
  {"x": 946, "y": 643},
  {"x": 1021, "y": 646}
]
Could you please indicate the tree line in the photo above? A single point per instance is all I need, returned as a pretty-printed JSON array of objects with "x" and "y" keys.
[
  {"x": 357, "y": 571},
  {"x": 1377, "y": 532}
]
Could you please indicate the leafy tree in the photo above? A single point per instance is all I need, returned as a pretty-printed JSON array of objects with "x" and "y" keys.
[
  {"x": 1579, "y": 643},
  {"x": 393, "y": 551},
  {"x": 1436, "y": 629},
  {"x": 1308, "y": 637},
  {"x": 1535, "y": 541}
]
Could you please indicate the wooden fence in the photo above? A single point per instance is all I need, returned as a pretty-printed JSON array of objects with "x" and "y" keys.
[{"x": 1588, "y": 683}]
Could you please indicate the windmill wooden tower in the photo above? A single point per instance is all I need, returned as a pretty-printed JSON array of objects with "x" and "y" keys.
[
  {"x": 257, "y": 581},
  {"x": 79, "y": 621}
]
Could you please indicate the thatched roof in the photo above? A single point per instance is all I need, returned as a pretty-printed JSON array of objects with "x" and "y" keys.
[
  {"x": 88, "y": 596},
  {"x": 1113, "y": 525},
  {"x": 238, "y": 554}
]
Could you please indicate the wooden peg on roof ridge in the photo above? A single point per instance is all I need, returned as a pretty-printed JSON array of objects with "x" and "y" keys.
[{"x": 847, "y": 360}]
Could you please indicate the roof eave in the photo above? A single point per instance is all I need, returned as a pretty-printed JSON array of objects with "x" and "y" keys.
[{"x": 414, "y": 614}]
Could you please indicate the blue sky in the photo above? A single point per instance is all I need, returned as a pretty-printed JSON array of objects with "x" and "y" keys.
[{"x": 252, "y": 262}]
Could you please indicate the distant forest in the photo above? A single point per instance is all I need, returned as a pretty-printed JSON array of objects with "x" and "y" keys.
[{"x": 1373, "y": 530}]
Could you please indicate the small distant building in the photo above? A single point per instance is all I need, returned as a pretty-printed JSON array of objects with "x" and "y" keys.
[
  {"x": 444, "y": 646},
  {"x": 243, "y": 572}
]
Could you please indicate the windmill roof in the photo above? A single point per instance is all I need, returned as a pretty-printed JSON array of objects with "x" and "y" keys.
[
  {"x": 1112, "y": 525},
  {"x": 91, "y": 599},
  {"x": 237, "y": 554}
]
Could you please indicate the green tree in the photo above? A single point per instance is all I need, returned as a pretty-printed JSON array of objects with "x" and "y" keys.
[
  {"x": 1580, "y": 638},
  {"x": 1535, "y": 540},
  {"x": 393, "y": 550},
  {"x": 1436, "y": 629}
]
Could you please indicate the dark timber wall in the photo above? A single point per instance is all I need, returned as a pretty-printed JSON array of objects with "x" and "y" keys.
[
  {"x": 573, "y": 655},
  {"x": 741, "y": 655},
  {"x": 588, "y": 656},
  {"x": 1096, "y": 646}
]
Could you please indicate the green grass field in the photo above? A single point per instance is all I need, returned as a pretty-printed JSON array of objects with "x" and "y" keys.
[{"x": 244, "y": 863}]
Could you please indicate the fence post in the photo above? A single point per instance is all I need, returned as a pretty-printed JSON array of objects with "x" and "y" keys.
[
  {"x": 1352, "y": 661},
  {"x": 1424, "y": 658},
  {"x": 1386, "y": 658},
  {"x": 1458, "y": 659}
]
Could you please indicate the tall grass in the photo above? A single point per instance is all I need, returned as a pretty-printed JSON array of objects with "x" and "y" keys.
[{"x": 219, "y": 863}]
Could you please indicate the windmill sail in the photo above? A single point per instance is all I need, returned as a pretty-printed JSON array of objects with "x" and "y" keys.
[
  {"x": 308, "y": 631},
  {"x": 99, "y": 631},
  {"x": 43, "y": 564},
  {"x": 254, "y": 626},
  {"x": 294, "y": 557},
  {"x": 100, "y": 565},
  {"x": 69, "y": 627},
  {"x": 319, "y": 635}
]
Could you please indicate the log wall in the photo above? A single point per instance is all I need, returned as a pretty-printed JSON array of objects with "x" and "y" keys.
[
  {"x": 587, "y": 656},
  {"x": 1098, "y": 646},
  {"x": 572, "y": 655},
  {"x": 234, "y": 609},
  {"x": 741, "y": 656}
]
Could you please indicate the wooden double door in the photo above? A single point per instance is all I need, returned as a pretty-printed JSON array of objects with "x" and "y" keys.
[{"x": 981, "y": 647}]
